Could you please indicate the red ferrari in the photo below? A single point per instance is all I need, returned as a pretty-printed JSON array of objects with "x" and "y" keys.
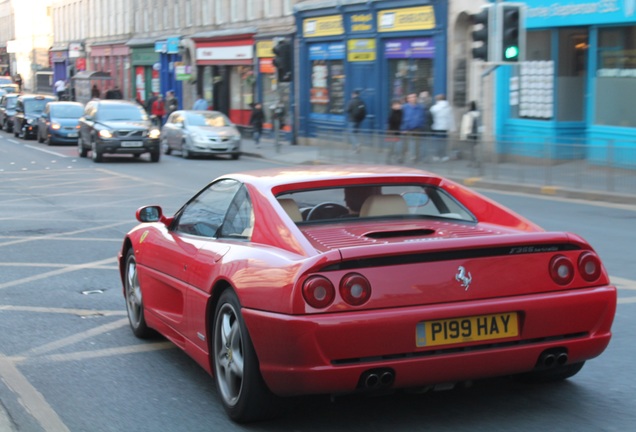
[{"x": 342, "y": 279}]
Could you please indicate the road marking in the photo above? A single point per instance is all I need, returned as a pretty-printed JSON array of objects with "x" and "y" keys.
[
  {"x": 47, "y": 151},
  {"x": 56, "y": 235},
  {"x": 109, "y": 352},
  {"x": 32, "y": 400},
  {"x": 46, "y": 275},
  {"x": 52, "y": 346},
  {"x": 622, "y": 283},
  {"x": 84, "y": 313}
]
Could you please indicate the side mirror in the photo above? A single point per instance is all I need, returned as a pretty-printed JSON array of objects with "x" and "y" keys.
[
  {"x": 415, "y": 199},
  {"x": 149, "y": 214}
]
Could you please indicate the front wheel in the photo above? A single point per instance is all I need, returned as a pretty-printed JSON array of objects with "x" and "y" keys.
[
  {"x": 244, "y": 394},
  {"x": 95, "y": 154},
  {"x": 155, "y": 156},
  {"x": 134, "y": 300}
]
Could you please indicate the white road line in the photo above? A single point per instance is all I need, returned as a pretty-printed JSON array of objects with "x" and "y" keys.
[
  {"x": 47, "y": 151},
  {"x": 622, "y": 283},
  {"x": 52, "y": 346},
  {"x": 109, "y": 352},
  {"x": 46, "y": 275},
  {"x": 32, "y": 400},
  {"x": 64, "y": 234},
  {"x": 84, "y": 313}
]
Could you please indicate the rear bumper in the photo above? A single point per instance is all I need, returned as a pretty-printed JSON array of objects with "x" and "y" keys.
[{"x": 329, "y": 353}]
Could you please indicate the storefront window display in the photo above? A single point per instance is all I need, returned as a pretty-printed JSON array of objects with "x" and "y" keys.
[
  {"x": 410, "y": 66},
  {"x": 327, "y": 92},
  {"x": 616, "y": 76},
  {"x": 242, "y": 80}
]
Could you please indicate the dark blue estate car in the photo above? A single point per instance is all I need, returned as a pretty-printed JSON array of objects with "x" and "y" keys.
[
  {"x": 28, "y": 109},
  {"x": 59, "y": 123}
]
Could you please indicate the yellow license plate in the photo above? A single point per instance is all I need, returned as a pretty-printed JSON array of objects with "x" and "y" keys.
[{"x": 467, "y": 329}]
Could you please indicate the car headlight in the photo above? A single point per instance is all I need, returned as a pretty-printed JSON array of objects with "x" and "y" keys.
[
  {"x": 55, "y": 126},
  {"x": 104, "y": 133},
  {"x": 154, "y": 133},
  {"x": 29, "y": 121}
]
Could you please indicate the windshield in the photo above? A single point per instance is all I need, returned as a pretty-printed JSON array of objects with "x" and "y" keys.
[
  {"x": 35, "y": 105},
  {"x": 121, "y": 113},
  {"x": 67, "y": 111},
  {"x": 12, "y": 102},
  {"x": 5, "y": 80},
  {"x": 212, "y": 119}
]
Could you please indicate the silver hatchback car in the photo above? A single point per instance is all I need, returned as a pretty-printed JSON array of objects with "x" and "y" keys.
[{"x": 200, "y": 133}]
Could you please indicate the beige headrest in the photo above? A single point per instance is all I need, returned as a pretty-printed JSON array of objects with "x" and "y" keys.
[
  {"x": 291, "y": 208},
  {"x": 384, "y": 205}
]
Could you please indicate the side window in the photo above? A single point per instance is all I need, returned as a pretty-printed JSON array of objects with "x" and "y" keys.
[
  {"x": 204, "y": 214},
  {"x": 239, "y": 219}
]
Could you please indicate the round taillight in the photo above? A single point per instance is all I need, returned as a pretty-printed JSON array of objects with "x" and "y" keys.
[
  {"x": 561, "y": 270},
  {"x": 355, "y": 289},
  {"x": 318, "y": 292},
  {"x": 589, "y": 266}
]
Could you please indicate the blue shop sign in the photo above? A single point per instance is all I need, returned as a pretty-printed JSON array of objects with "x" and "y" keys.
[
  {"x": 173, "y": 45},
  {"x": 161, "y": 46},
  {"x": 327, "y": 51},
  {"x": 554, "y": 13},
  {"x": 409, "y": 48}
]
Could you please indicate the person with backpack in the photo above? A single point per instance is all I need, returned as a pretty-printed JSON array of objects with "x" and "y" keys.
[{"x": 356, "y": 113}]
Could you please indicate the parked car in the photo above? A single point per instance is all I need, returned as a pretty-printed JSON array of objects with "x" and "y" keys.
[
  {"x": 27, "y": 111},
  {"x": 59, "y": 123},
  {"x": 6, "y": 80},
  {"x": 10, "y": 88},
  {"x": 197, "y": 133},
  {"x": 7, "y": 111},
  {"x": 344, "y": 279},
  {"x": 117, "y": 127}
]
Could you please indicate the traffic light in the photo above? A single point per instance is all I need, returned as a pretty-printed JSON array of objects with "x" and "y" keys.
[
  {"x": 283, "y": 60},
  {"x": 482, "y": 35},
  {"x": 512, "y": 33}
]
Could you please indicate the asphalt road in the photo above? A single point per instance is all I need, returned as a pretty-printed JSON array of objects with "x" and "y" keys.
[{"x": 69, "y": 362}]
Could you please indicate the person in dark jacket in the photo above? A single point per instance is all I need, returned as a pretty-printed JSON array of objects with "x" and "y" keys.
[
  {"x": 394, "y": 130},
  {"x": 95, "y": 92},
  {"x": 256, "y": 121}
]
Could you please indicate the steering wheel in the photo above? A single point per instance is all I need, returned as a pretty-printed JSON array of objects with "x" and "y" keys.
[{"x": 327, "y": 210}]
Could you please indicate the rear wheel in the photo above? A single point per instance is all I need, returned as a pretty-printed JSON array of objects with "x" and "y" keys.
[
  {"x": 165, "y": 146},
  {"x": 243, "y": 392},
  {"x": 134, "y": 300},
  {"x": 40, "y": 139},
  {"x": 185, "y": 153}
]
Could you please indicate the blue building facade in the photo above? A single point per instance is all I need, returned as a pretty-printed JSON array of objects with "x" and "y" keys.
[
  {"x": 576, "y": 85},
  {"x": 385, "y": 49}
]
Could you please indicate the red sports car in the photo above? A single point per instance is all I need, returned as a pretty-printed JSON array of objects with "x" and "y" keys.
[{"x": 330, "y": 280}]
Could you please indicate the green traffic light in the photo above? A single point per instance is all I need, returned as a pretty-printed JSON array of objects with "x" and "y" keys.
[{"x": 511, "y": 52}]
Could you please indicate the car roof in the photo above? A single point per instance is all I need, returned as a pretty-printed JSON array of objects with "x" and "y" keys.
[
  {"x": 37, "y": 96},
  {"x": 115, "y": 102},
  {"x": 268, "y": 179},
  {"x": 57, "y": 103}
]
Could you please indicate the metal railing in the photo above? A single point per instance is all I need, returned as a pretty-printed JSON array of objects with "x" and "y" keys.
[{"x": 579, "y": 164}]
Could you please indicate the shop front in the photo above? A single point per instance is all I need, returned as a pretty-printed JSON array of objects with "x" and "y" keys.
[
  {"x": 269, "y": 91},
  {"x": 59, "y": 59},
  {"x": 169, "y": 62},
  {"x": 225, "y": 71},
  {"x": 384, "y": 49},
  {"x": 576, "y": 84},
  {"x": 145, "y": 67},
  {"x": 114, "y": 59}
]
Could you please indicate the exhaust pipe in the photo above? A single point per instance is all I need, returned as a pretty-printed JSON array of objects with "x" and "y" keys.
[
  {"x": 552, "y": 357},
  {"x": 375, "y": 379}
]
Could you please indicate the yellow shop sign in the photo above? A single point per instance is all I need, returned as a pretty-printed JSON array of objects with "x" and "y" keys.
[
  {"x": 405, "y": 19},
  {"x": 323, "y": 26}
]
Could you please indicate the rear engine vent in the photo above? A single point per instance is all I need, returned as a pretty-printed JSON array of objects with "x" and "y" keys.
[{"x": 404, "y": 233}]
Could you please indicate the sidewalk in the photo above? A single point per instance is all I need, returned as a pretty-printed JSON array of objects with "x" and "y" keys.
[{"x": 570, "y": 180}]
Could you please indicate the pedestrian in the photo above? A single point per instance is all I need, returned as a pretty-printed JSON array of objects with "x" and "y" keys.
[
  {"x": 393, "y": 129},
  {"x": 469, "y": 131},
  {"x": 443, "y": 123},
  {"x": 356, "y": 113},
  {"x": 151, "y": 100},
  {"x": 18, "y": 81},
  {"x": 60, "y": 88},
  {"x": 200, "y": 104},
  {"x": 172, "y": 103},
  {"x": 413, "y": 123},
  {"x": 158, "y": 110},
  {"x": 256, "y": 121},
  {"x": 95, "y": 92}
]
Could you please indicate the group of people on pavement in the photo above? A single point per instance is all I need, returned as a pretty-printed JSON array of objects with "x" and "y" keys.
[
  {"x": 160, "y": 109},
  {"x": 416, "y": 128}
]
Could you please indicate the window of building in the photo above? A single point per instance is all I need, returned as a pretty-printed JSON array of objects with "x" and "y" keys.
[
  {"x": 571, "y": 74},
  {"x": 326, "y": 94},
  {"x": 531, "y": 87},
  {"x": 616, "y": 76},
  {"x": 206, "y": 13},
  {"x": 219, "y": 11},
  {"x": 188, "y": 13},
  {"x": 176, "y": 10}
]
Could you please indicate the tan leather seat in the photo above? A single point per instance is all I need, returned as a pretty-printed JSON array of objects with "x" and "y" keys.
[
  {"x": 384, "y": 205},
  {"x": 291, "y": 208}
]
